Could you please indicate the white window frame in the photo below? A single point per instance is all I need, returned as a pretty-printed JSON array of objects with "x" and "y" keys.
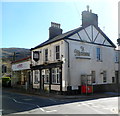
[
  {"x": 57, "y": 52},
  {"x": 45, "y": 75},
  {"x": 45, "y": 56},
  {"x": 55, "y": 76},
  {"x": 93, "y": 73},
  {"x": 36, "y": 76},
  {"x": 99, "y": 54},
  {"x": 104, "y": 76},
  {"x": 116, "y": 57}
]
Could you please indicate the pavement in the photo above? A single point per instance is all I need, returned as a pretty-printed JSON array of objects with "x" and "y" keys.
[{"x": 58, "y": 96}]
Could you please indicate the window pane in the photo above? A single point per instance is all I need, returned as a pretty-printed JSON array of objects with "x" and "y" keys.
[
  {"x": 46, "y": 54},
  {"x": 93, "y": 76},
  {"x": 57, "y": 52},
  {"x": 104, "y": 76},
  {"x": 55, "y": 76},
  {"x": 98, "y": 54}
]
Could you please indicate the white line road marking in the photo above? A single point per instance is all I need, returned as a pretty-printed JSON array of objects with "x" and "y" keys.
[
  {"x": 40, "y": 108},
  {"x": 35, "y": 105},
  {"x": 29, "y": 104},
  {"x": 51, "y": 111}
]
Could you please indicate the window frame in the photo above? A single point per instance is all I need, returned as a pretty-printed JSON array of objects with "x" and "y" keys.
[
  {"x": 46, "y": 55},
  {"x": 93, "y": 73},
  {"x": 116, "y": 57},
  {"x": 36, "y": 76},
  {"x": 55, "y": 76},
  {"x": 99, "y": 54},
  {"x": 104, "y": 76},
  {"x": 46, "y": 76},
  {"x": 57, "y": 52}
]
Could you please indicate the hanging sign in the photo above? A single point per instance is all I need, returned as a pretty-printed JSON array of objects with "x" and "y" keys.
[{"x": 36, "y": 55}]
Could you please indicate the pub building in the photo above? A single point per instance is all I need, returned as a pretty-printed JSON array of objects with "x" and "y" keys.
[{"x": 82, "y": 56}]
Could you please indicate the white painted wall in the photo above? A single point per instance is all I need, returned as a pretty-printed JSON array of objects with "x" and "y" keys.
[{"x": 85, "y": 66}]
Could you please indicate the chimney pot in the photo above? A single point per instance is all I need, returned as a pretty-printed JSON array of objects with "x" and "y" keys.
[{"x": 88, "y": 8}]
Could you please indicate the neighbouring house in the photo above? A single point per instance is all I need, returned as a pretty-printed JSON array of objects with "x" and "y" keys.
[
  {"x": 21, "y": 72},
  {"x": 62, "y": 62},
  {"x": 118, "y": 40}
]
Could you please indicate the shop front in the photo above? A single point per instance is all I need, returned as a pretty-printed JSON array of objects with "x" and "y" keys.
[
  {"x": 21, "y": 72},
  {"x": 47, "y": 77}
]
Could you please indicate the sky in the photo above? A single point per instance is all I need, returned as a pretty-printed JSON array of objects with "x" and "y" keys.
[{"x": 26, "y": 24}]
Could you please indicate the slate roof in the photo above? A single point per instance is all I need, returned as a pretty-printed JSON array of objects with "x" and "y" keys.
[{"x": 68, "y": 34}]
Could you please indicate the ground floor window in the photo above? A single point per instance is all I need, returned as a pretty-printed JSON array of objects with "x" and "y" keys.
[
  {"x": 116, "y": 76},
  {"x": 55, "y": 75},
  {"x": 93, "y": 76},
  {"x": 113, "y": 80},
  {"x": 45, "y": 75},
  {"x": 104, "y": 76},
  {"x": 36, "y": 77}
]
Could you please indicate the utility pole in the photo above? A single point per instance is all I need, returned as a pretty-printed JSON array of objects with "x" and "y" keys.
[{"x": 14, "y": 56}]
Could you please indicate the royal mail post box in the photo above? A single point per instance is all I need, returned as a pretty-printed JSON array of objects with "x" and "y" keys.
[{"x": 86, "y": 89}]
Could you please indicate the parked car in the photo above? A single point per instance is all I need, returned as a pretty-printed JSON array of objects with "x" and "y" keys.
[{"x": 6, "y": 81}]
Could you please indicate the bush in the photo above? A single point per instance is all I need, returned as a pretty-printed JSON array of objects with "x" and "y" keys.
[{"x": 6, "y": 81}]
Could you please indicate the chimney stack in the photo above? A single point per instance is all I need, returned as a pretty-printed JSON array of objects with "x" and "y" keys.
[
  {"x": 89, "y": 18},
  {"x": 54, "y": 30}
]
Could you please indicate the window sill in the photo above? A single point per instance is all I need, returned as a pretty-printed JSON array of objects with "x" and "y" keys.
[
  {"x": 99, "y": 61},
  {"x": 116, "y": 62},
  {"x": 36, "y": 82},
  {"x": 46, "y": 82},
  {"x": 55, "y": 83}
]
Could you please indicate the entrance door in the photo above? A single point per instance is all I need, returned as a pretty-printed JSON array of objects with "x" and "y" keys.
[
  {"x": 116, "y": 77},
  {"x": 45, "y": 79}
]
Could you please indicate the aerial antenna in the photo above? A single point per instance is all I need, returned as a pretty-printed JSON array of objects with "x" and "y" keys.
[
  {"x": 77, "y": 11},
  {"x": 103, "y": 28},
  {"x": 88, "y": 8}
]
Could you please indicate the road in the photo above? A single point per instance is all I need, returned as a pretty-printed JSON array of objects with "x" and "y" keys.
[{"x": 14, "y": 103}]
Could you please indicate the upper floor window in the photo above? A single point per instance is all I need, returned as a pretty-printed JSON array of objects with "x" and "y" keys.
[
  {"x": 116, "y": 56},
  {"x": 57, "y": 52},
  {"x": 98, "y": 54},
  {"x": 46, "y": 54}
]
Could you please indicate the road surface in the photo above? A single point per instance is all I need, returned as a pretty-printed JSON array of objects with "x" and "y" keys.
[{"x": 14, "y": 103}]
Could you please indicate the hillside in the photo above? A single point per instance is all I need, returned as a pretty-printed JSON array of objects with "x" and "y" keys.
[{"x": 10, "y": 54}]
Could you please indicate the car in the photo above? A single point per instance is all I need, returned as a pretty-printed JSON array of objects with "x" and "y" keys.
[{"x": 6, "y": 81}]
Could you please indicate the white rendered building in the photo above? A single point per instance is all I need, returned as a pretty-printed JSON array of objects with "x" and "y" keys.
[{"x": 59, "y": 63}]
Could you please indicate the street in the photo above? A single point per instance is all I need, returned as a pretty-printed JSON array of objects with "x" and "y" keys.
[{"x": 14, "y": 103}]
